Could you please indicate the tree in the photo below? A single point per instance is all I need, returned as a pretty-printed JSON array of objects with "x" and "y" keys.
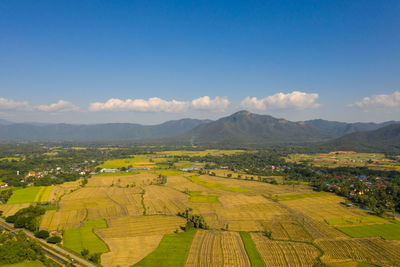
[
  {"x": 54, "y": 239},
  {"x": 42, "y": 234},
  {"x": 85, "y": 252}
]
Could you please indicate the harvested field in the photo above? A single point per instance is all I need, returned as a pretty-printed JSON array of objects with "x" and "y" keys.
[
  {"x": 164, "y": 200},
  {"x": 132, "y": 238},
  {"x": 286, "y": 227},
  {"x": 285, "y": 253},
  {"x": 181, "y": 183},
  {"x": 323, "y": 207},
  {"x": 202, "y": 180},
  {"x": 214, "y": 248},
  {"x": 143, "y": 225},
  {"x": 138, "y": 180},
  {"x": 11, "y": 209},
  {"x": 125, "y": 251},
  {"x": 245, "y": 213},
  {"x": 370, "y": 250},
  {"x": 62, "y": 189},
  {"x": 63, "y": 219}
]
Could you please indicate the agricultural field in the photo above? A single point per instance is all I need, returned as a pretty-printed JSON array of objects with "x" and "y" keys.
[
  {"x": 24, "y": 195},
  {"x": 346, "y": 158},
  {"x": 212, "y": 152},
  {"x": 386, "y": 231},
  {"x": 172, "y": 251},
  {"x": 132, "y": 220},
  {"x": 11, "y": 209},
  {"x": 285, "y": 253},
  {"x": 215, "y": 248},
  {"x": 84, "y": 237},
  {"x": 368, "y": 250}
]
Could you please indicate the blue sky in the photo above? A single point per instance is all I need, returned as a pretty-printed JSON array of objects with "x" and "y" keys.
[{"x": 151, "y": 61}]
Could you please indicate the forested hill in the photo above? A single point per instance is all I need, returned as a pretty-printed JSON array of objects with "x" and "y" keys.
[
  {"x": 247, "y": 128},
  {"x": 385, "y": 139}
]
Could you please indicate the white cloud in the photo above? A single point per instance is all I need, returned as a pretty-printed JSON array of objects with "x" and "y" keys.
[
  {"x": 6, "y": 104},
  {"x": 156, "y": 104},
  {"x": 60, "y": 106},
  {"x": 391, "y": 101},
  {"x": 206, "y": 103},
  {"x": 293, "y": 100}
]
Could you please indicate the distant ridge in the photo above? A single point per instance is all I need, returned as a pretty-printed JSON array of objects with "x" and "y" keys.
[
  {"x": 242, "y": 128},
  {"x": 385, "y": 139}
]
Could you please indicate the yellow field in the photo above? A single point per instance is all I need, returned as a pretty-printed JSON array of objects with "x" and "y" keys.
[
  {"x": 125, "y": 251},
  {"x": 44, "y": 193},
  {"x": 11, "y": 209},
  {"x": 160, "y": 199},
  {"x": 286, "y": 227},
  {"x": 214, "y": 248},
  {"x": 370, "y": 250},
  {"x": 323, "y": 207},
  {"x": 132, "y": 238},
  {"x": 284, "y": 253},
  {"x": 137, "y": 180},
  {"x": 62, "y": 189}
]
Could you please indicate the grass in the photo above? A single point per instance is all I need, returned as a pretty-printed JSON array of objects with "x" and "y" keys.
[
  {"x": 84, "y": 237},
  {"x": 26, "y": 264},
  {"x": 356, "y": 220},
  {"x": 172, "y": 251},
  {"x": 213, "y": 185},
  {"x": 25, "y": 195},
  {"x": 386, "y": 231},
  {"x": 299, "y": 196},
  {"x": 196, "y": 196},
  {"x": 43, "y": 194},
  {"x": 251, "y": 250}
]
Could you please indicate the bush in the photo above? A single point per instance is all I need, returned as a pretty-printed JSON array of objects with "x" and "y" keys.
[
  {"x": 43, "y": 234},
  {"x": 95, "y": 258},
  {"x": 54, "y": 239},
  {"x": 85, "y": 252}
]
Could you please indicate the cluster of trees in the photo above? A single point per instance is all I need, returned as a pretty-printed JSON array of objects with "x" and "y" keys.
[
  {"x": 161, "y": 179},
  {"x": 27, "y": 218},
  {"x": 18, "y": 248},
  {"x": 193, "y": 220},
  {"x": 5, "y": 195},
  {"x": 95, "y": 257}
]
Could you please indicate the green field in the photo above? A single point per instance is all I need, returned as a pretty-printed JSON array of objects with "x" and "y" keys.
[
  {"x": 213, "y": 185},
  {"x": 299, "y": 196},
  {"x": 26, "y": 264},
  {"x": 356, "y": 220},
  {"x": 84, "y": 237},
  {"x": 251, "y": 250},
  {"x": 25, "y": 195},
  {"x": 196, "y": 196},
  {"x": 172, "y": 251},
  {"x": 386, "y": 231}
]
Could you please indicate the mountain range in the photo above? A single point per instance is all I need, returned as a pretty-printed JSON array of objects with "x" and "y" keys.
[{"x": 241, "y": 128}]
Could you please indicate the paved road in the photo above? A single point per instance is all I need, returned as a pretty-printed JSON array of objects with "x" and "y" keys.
[{"x": 52, "y": 248}]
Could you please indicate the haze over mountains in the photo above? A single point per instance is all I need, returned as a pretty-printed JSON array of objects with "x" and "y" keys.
[{"x": 240, "y": 128}]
